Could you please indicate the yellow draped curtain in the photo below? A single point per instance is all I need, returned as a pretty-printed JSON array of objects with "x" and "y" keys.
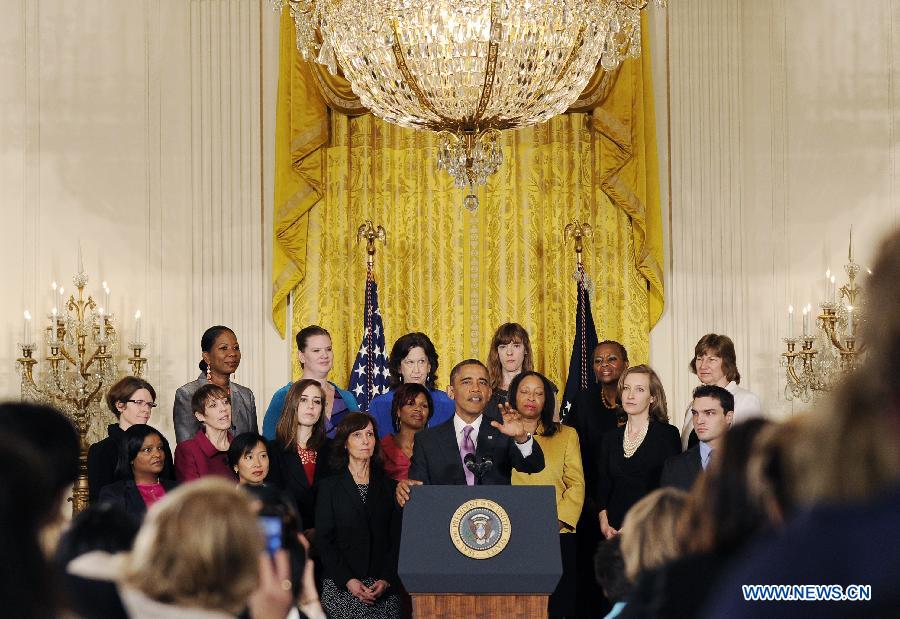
[{"x": 455, "y": 275}]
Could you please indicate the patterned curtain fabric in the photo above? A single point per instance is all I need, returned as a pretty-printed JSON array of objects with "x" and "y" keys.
[{"x": 454, "y": 275}]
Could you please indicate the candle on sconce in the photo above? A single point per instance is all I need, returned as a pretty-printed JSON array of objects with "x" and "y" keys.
[
  {"x": 54, "y": 315},
  {"x": 26, "y": 328},
  {"x": 851, "y": 327},
  {"x": 827, "y": 285},
  {"x": 105, "y": 296},
  {"x": 790, "y": 329},
  {"x": 102, "y": 324},
  {"x": 806, "y": 311},
  {"x": 79, "y": 263},
  {"x": 833, "y": 297},
  {"x": 55, "y": 297},
  {"x": 137, "y": 326},
  {"x": 62, "y": 301}
]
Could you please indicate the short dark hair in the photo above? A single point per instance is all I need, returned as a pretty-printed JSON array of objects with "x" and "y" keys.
[
  {"x": 618, "y": 345},
  {"x": 401, "y": 348},
  {"x": 352, "y": 422},
  {"x": 307, "y": 332},
  {"x": 130, "y": 446},
  {"x": 122, "y": 391},
  {"x": 609, "y": 570},
  {"x": 104, "y": 526},
  {"x": 243, "y": 444},
  {"x": 550, "y": 427},
  {"x": 462, "y": 364},
  {"x": 204, "y": 394},
  {"x": 406, "y": 394},
  {"x": 209, "y": 338},
  {"x": 720, "y": 345},
  {"x": 719, "y": 393}
]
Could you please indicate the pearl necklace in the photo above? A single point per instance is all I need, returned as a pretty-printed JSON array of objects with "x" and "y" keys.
[{"x": 630, "y": 446}]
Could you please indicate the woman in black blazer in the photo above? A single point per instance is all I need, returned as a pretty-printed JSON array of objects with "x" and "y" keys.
[
  {"x": 632, "y": 457},
  {"x": 131, "y": 400},
  {"x": 143, "y": 453},
  {"x": 358, "y": 527},
  {"x": 299, "y": 455}
]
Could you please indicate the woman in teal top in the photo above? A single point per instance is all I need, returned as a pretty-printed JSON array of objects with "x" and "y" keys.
[{"x": 316, "y": 358}]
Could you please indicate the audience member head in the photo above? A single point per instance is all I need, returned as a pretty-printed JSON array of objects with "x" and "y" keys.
[
  {"x": 49, "y": 433},
  {"x": 248, "y": 456},
  {"x": 780, "y": 454},
  {"x": 314, "y": 352},
  {"x": 714, "y": 361},
  {"x": 413, "y": 359},
  {"x": 28, "y": 502},
  {"x": 142, "y": 454},
  {"x": 609, "y": 361},
  {"x": 649, "y": 531},
  {"x": 221, "y": 352},
  {"x": 212, "y": 407},
  {"x": 131, "y": 400},
  {"x": 609, "y": 570},
  {"x": 721, "y": 515},
  {"x": 712, "y": 411},
  {"x": 531, "y": 394},
  {"x": 356, "y": 436},
  {"x": 412, "y": 407},
  {"x": 470, "y": 387},
  {"x": 641, "y": 390},
  {"x": 103, "y": 527},
  {"x": 198, "y": 547},
  {"x": 510, "y": 352},
  {"x": 304, "y": 407}
]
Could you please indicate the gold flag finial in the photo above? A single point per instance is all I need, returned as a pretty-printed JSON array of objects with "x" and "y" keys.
[
  {"x": 579, "y": 232},
  {"x": 371, "y": 233}
]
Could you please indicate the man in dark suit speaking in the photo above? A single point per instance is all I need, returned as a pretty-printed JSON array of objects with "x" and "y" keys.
[
  {"x": 491, "y": 449},
  {"x": 712, "y": 411}
]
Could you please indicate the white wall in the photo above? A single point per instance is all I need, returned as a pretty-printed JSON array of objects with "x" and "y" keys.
[
  {"x": 144, "y": 129},
  {"x": 784, "y": 129}
]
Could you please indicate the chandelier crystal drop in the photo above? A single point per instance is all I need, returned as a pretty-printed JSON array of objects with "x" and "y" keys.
[{"x": 467, "y": 68}]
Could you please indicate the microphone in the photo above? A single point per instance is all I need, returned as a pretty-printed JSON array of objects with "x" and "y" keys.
[
  {"x": 486, "y": 465},
  {"x": 478, "y": 469},
  {"x": 469, "y": 462}
]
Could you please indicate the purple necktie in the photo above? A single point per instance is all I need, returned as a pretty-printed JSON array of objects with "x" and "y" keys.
[{"x": 467, "y": 447}]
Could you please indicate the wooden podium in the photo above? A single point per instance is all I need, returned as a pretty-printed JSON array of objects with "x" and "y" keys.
[{"x": 480, "y": 551}]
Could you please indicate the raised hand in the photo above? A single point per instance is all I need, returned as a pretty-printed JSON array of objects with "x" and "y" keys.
[{"x": 512, "y": 423}]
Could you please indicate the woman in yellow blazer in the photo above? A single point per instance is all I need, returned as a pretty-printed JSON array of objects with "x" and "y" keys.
[{"x": 531, "y": 395}]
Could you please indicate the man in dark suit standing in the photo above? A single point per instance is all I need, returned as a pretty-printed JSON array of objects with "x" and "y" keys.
[
  {"x": 439, "y": 453},
  {"x": 712, "y": 412}
]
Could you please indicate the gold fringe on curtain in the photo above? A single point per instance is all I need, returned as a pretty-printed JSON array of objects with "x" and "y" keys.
[{"x": 454, "y": 275}]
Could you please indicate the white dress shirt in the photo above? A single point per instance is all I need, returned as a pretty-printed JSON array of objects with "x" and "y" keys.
[
  {"x": 746, "y": 406},
  {"x": 459, "y": 425}
]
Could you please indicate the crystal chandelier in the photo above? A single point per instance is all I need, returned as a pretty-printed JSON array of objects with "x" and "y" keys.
[
  {"x": 828, "y": 347},
  {"x": 467, "y": 68}
]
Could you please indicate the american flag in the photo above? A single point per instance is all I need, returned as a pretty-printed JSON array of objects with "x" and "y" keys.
[
  {"x": 369, "y": 376},
  {"x": 580, "y": 364}
]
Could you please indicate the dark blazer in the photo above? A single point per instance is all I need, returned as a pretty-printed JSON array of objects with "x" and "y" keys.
[
  {"x": 591, "y": 420},
  {"x": 287, "y": 472},
  {"x": 243, "y": 410},
  {"x": 125, "y": 495},
  {"x": 621, "y": 481},
  {"x": 356, "y": 539},
  {"x": 436, "y": 458},
  {"x": 103, "y": 456},
  {"x": 682, "y": 470}
]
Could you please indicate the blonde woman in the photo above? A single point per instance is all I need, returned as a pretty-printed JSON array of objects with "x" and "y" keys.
[
  {"x": 632, "y": 457},
  {"x": 648, "y": 536}
]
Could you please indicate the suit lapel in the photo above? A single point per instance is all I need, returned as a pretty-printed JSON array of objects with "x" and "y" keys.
[
  {"x": 488, "y": 437},
  {"x": 696, "y": 460},
  {"x": 238, "y": 405},
  {"x": 350, "y": 488},
  {"x": 450, "y": 450},
  {"x": 295, "y": 468}
]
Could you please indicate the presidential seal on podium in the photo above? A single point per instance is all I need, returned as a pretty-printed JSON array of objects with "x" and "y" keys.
[{"x": 480, "y": 529}]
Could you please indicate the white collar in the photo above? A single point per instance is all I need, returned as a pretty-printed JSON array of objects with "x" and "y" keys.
[{"x": 459, "y": 424}]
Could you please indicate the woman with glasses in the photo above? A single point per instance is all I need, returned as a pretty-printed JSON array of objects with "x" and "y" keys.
[{"x": 131, "y": 400}]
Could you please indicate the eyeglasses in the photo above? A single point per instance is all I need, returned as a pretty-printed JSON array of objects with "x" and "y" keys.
[{"x": 141, "y": 404}]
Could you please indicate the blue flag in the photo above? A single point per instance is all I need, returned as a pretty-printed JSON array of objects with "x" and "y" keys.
[
  {"x": 369, "y": 377},
  {"x": 580, "y": 371}
]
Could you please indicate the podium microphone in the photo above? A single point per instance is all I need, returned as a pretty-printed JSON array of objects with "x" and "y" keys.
[{"x": 478, "y": 469}]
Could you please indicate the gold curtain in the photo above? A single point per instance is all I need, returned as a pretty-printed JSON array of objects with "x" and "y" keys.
[{"x": 454, "y": 275}]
